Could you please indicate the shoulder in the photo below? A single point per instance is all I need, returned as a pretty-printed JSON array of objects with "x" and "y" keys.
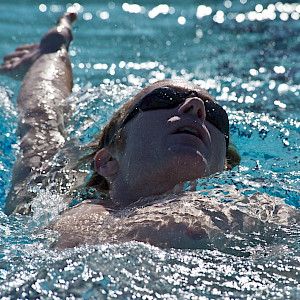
[
  {"x": 88, "y": 212},
  {"x": 80, "y": 224}
]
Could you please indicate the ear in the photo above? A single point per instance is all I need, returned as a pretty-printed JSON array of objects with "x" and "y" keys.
[{"x": 105, "y": 163}]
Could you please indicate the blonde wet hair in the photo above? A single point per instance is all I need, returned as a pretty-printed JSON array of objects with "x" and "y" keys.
[{"x": 113, "y": 134}]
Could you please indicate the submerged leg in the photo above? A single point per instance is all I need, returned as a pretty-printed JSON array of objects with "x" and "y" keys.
[{"x": 47, "y": 81}]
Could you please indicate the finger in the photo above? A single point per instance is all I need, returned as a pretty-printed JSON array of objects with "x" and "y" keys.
[
  {"x": 27, "y": 47},
  {"x": 15, "y": 54}
]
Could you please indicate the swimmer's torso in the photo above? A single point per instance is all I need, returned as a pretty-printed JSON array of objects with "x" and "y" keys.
[{"x": 180, "y": 221}]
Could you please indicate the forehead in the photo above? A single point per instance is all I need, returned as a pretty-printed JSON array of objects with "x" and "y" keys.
[{"x": 178, "y": 85}]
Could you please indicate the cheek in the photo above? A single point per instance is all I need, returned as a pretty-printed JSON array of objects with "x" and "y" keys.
[
  {"x": 146, "y": 130},
  {"x": 141, "y": 142}
]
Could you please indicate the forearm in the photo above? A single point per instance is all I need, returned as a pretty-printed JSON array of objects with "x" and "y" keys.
[
  {"x": 42, "y": 106},
  {"x": 48, "y": 81}
]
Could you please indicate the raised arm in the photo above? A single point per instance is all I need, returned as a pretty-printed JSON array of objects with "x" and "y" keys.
[{"x": 47, "y": 79}]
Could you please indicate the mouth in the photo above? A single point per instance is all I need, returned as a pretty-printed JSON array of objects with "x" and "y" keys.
[{"x": 188, "y": 130}]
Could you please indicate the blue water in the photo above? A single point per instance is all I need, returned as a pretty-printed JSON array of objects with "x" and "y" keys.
[{"x": 247, "y": 56}]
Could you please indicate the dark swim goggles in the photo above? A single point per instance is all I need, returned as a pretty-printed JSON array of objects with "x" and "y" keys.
[{"x": 166, "y": 97}]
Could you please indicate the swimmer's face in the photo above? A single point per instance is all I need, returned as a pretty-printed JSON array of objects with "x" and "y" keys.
[{"x": 165, "y": 147}]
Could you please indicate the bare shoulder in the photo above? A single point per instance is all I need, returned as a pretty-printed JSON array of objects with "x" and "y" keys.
[
  {"x": 89, "y": 211},
  {"x": 80, "y": 224},
  {"x": 87, "y": 207}
]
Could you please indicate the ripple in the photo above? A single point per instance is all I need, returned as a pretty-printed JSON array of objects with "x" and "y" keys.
[{"x": 247, "y": 55}]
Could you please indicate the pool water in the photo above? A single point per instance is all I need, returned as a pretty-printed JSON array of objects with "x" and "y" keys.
[{"x": 247, "y": 56}]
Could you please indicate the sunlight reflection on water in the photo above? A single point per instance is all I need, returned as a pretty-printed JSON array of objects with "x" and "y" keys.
[{"x": 246, "y": 55}]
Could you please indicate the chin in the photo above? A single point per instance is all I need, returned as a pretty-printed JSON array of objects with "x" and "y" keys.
[{"x": 189, "y": 162}]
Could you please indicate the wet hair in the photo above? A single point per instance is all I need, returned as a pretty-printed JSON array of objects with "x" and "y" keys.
[
  {"x": 110, "y": 135},
  {"x": 113, "y": 135}
]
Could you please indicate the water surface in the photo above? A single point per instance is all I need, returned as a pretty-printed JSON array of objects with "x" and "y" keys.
[{"x": 247, "y": 56}]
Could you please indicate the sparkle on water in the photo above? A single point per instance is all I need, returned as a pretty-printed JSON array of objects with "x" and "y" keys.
[{"x": 247, "y": 55}]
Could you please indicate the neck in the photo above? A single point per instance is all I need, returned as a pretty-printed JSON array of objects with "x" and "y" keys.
[{"x": 124, "y": 195}]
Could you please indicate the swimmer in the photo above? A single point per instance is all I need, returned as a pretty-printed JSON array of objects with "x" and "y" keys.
[{"x": 172, "y": 130}]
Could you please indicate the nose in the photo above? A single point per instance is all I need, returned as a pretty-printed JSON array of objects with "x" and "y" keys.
[{"x": 193, "y": 105}]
